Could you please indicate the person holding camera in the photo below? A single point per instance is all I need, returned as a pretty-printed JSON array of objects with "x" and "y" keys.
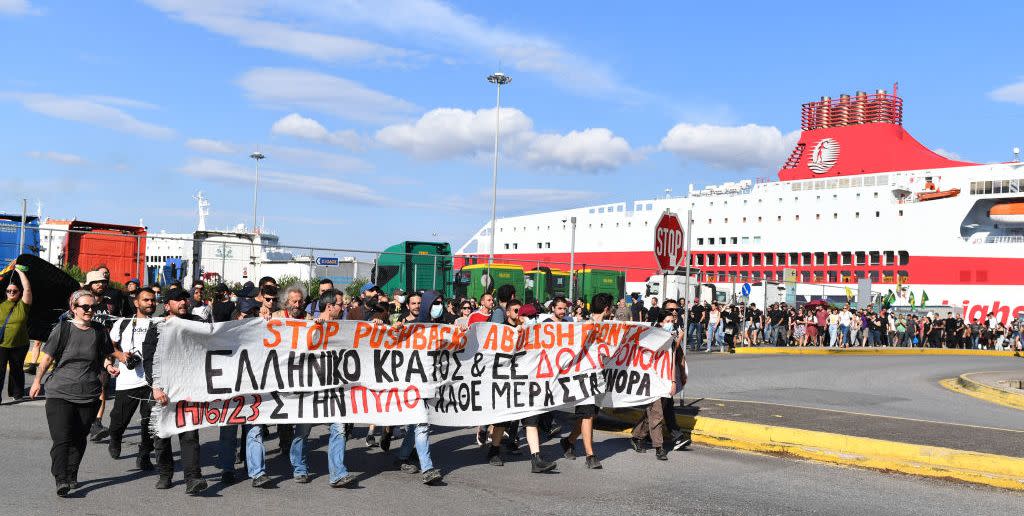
[{"x": 132, "y": 390}]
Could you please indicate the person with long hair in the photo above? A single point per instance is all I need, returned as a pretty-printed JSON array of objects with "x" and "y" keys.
[{"x": 79, "y": 350}]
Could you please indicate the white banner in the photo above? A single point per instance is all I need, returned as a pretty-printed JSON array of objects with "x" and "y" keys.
[{"x": 289, "y": 371}]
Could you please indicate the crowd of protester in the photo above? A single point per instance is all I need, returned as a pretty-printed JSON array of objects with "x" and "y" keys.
[{"x": 105, "y": 343}]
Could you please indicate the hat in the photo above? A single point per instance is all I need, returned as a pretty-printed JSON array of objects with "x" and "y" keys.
[
  {"x": 246, "y": 304},
  {"x": 93, "y": 277},
  {"x": 398, "y": 292},
  {"x": 247, "y": 290},
  {"x": 367, "y": 286},
  {"x": 221, "y": 288},
  {"x": 176, "y": 294},
  {"x": 528, "y": 311},
  {"x": 135, "y": 281}
]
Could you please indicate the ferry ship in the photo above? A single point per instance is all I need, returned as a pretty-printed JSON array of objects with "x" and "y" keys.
[{"x": 857, "y": 198}]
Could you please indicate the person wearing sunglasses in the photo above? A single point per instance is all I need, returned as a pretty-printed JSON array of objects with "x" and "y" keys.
[
  {"x": 78, "y": 349},
  {"x": 465, "y": 309},
  {"x": 14, "y": 331}
]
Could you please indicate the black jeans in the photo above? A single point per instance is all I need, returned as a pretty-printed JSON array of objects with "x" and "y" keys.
[
  {"x": 15, "y": 359},
  {"x": 189, "y": 443},
  {"x": 69, "y": 430},
  {"x": 125, "y": 403}
]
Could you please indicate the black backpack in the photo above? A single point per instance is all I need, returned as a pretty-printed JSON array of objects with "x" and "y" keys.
[{"x": 64, "y": 335}]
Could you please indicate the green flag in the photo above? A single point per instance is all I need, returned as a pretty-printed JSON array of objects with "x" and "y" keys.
[
  {"x": 924, "y": 298},
  {"x": 888, "y": 299},
  {"x": 911, "y": 300}
]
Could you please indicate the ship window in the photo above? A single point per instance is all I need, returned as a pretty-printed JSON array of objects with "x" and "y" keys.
[
  {"x": 732, "y": 259},
  {"x": 882, "y": 180},
  {"x": 832, "y": 276},
  {"x": 875, "y": 257},
  {"x": 860, "y": 257},
  {"x": 745, "y": 259},
  {"x": 887, "y": 276},
  {"x": 817, "y": 216},
  {"x": 904, "y": 278},
  {"x": 835, "y": 196},
  {"x": 712, "y": 259},
  {"x": 858, "y": 195},
  {"x": 721, "y": 276},
  {"x": 745, "y": 240},
  {"x": 817, "y": 197},
  {"x": 757, "y": 258},
  {"x": 974, "y": 187},
  {"x": 700, "y": 259},
  {"x": 650, "y": 207},
  {"x": 744, "y": 276},
  {"x": 832, "y": 183},
  {"x": 890, "y": 258},
  {"x": 709, "y": 221},
  {"x": 506, "y": 246},
  {"x": 600, "y": 210},
  {"x": 877, "y": 214},
  {"x": 591, "y": 210},
  {"x": 721, "y": 240},
  {"x": 858, "y": 274},
  {"x": 769, "y": 275},
  {"x": 835, "y": 216},
  {"x": 901, "y": 213},
  {"x": 769, "y": 259},
  {"x": 805, "y": 258},
  {"x": 873, "y": 275},
  {"x": 869, "y": 181},
  {"x": 744, "y": 219},
  {"x": 833, "y": 258},
  {"x": 726, "y": 220},
  {"x": 756, "y": 275},
  {"x": 700, "y": 241},
  {"x": 988, "y": 187},
  {"x": 855, "y": 182},
  {"x": 797, "y": 216},
  {"x": 844, "y": 183},
  {"x": 547, "y": 245},
  {"x": 805, "y": 276},
  {"x": 619, "y": 208},
  {"x": 744, "y": 202},
  {"x": 904, "y": 257},
  {"x": 793, "y": 258},
  {"x": 856, "y": 214},
  {"x": 540, "y": 245},
  {"x": 876, "y": 195},
  {"x": 819, "y": 258},
  {"x": 759, "y": 218},
  {"x": 819, "y": 276},
  {"x": 779, "y": 218},
  {"x": 515, "y": 246},
  {"x": 781, "y": 258},
  {"x": 733, "y": 240}
]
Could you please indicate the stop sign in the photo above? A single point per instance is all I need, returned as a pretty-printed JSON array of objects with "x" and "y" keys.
[{"x": 668, "y": 242}]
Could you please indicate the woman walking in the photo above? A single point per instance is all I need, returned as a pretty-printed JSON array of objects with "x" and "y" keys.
[
  {"x": 14, "y": 332},
  {"x": 79, "y": 350}
]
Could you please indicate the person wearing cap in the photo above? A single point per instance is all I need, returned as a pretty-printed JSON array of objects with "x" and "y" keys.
[
  {"x": 132, "y": 288},
  {"x": 176, "y": 301},
  {"x": 14, "y": 340},
  {"x": 222, "y": 306}
]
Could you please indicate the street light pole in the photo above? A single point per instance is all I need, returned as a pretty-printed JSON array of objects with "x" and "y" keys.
[
  {"x": 257, "y": 155},
  {"x": 499, "y": 79},
  {"x": 572, "y": 261}
]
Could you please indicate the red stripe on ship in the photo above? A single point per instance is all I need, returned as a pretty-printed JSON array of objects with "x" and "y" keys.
[{"x": 920, "y": 270}]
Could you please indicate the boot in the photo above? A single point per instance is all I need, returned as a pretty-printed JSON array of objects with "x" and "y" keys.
[
  {"x": 494, "y": 456},
  {"x": 539, "y": 465},
  {"x": 661, "y": 453}
]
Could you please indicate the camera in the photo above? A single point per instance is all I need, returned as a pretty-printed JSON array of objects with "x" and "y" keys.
[{"x": 133, "y": 360}]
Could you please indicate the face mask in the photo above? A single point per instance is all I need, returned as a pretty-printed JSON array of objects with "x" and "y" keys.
[
  {"x": 669, "y": 327},
  {"x": 400, "y": 299},
  {"x": 435, "y": 311}
]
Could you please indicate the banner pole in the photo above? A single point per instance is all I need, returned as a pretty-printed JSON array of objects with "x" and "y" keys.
[{"x": 687, "y": 295}]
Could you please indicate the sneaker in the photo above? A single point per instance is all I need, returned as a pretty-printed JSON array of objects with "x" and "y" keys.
[
  {"x": 539, "y": 465},
  {"x": 98, "y": 432},
  {"x": 567, "y": 449},
  {"x": 494, "y": 456},
  {"x": 682, "y": 443},
  {"x": 195, "y": 486},
  {"x": 661, "y": 453},
  {"x": 385, "y": 441},
  {"x": 303, "y": 479},
  {"x": 227, "y": 477},
  {"x": 63, "y": 489},
  {"x": 555, "y": 429},
  {"x": 261, "y": 481},
  {"x": 344, "y": 481},
  {"x": 371, "y": 442},
  {"x": 142, "y": 462},
  {"x": 481, "y": 436},
  {"x": 592, "y": 462},
  {"x": 114, "y": 449},
  {"x": 409, "y": 466},
  {"x": 637, "y": 445},
  {"x": 431, "y": 476},
  {"x": 163, "y": 482}
]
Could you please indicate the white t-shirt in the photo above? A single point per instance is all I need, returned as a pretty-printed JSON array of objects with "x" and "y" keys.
[
  {"x": 845, "y": 317},
  {"x": 129, "y": 340}
]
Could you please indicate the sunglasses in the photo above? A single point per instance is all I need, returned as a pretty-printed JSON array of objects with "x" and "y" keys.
[
  {"x": 13, "y": 291},
  {"x": 467, "y": 308},
  {"x": 86, "y": 308}
]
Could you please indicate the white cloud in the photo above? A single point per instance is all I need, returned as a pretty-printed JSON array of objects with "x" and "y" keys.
[
  {"x": 307, "y": 128},
  {"x": 732, "y": 147},
  {"x": 271, "y": 179},
  {"x": 58, "y": 157},
  {"x": 240, "y": 20},
  {"x": 17, "y": 8},
  {"x": 447, "y": 133},
  {"x": 88, "y": 111},
  {"x": 948, "y": 154},
  {"x": 1010, "y": 93},
  {"x": 211, "y": 146},
  {"x": 442, "y": 26},
  {"x": 290, "y": 88}
]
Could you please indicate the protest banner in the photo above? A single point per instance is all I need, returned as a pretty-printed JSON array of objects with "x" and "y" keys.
[{"x": 294, "y": 371}]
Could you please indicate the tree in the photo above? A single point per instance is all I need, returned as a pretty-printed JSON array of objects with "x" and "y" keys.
[{"x": 352, "y": 290}]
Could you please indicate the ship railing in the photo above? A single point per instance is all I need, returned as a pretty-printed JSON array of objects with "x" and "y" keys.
[{"x": 996, "y": 239}]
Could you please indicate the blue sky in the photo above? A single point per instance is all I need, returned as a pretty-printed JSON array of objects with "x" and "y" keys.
[{"x": 377, "y": 121}]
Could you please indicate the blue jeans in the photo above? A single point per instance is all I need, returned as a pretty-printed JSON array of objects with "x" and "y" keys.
[
  {"x": 335, "y": 451},
  {"x": 874, "y": 338},
  {"x": 693, "y": 335},
  {"x": 255, "y": 453},
  {"x": 844, "y": 330},
  {"x": 420, "y": 435},
  {"x": 712, "y": 334},
  {"x": 833, "y": 335}
]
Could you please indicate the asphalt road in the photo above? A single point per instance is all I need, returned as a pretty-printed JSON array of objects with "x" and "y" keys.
[
  {"x": 700, "y": 481},
  {"x": 888, "y": 385}
]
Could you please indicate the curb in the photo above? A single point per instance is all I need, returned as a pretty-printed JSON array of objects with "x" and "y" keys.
[
  {"x": 930, "y": 461},
  {"x": 758, "y": 350},
  {"x": 964, "y": 384}
]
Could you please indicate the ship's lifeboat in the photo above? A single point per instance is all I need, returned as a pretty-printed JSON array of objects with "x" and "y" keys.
[
  {"x": 1008, "y": 212},
  {"x": 940, "y": 194}
]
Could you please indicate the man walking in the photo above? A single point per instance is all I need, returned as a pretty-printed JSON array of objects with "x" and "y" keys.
[{"x": 132, "y": 391}]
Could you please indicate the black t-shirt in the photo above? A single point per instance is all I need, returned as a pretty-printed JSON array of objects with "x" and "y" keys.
[
  {"x": 654, "y": 314},
  {"x": 696, "y": 312},
  {"x": 753, "y": 314},
  {"x": 775, "y": 316},
  {"x": 222, "y": 310}
]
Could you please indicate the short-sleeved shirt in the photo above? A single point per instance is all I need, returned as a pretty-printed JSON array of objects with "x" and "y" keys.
[
  {"x": 77, "y": 376},
  {"x": 128, "y": 335},
  {"x": 477, "y": 317},
  {"x": 16, "y": 331}
]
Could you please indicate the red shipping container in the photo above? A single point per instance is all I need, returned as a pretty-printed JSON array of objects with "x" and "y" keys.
[{"x": 121, "y": 248}]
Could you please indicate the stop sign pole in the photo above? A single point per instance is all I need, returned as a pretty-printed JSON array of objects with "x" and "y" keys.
[{"x": 669, "y": 250}]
